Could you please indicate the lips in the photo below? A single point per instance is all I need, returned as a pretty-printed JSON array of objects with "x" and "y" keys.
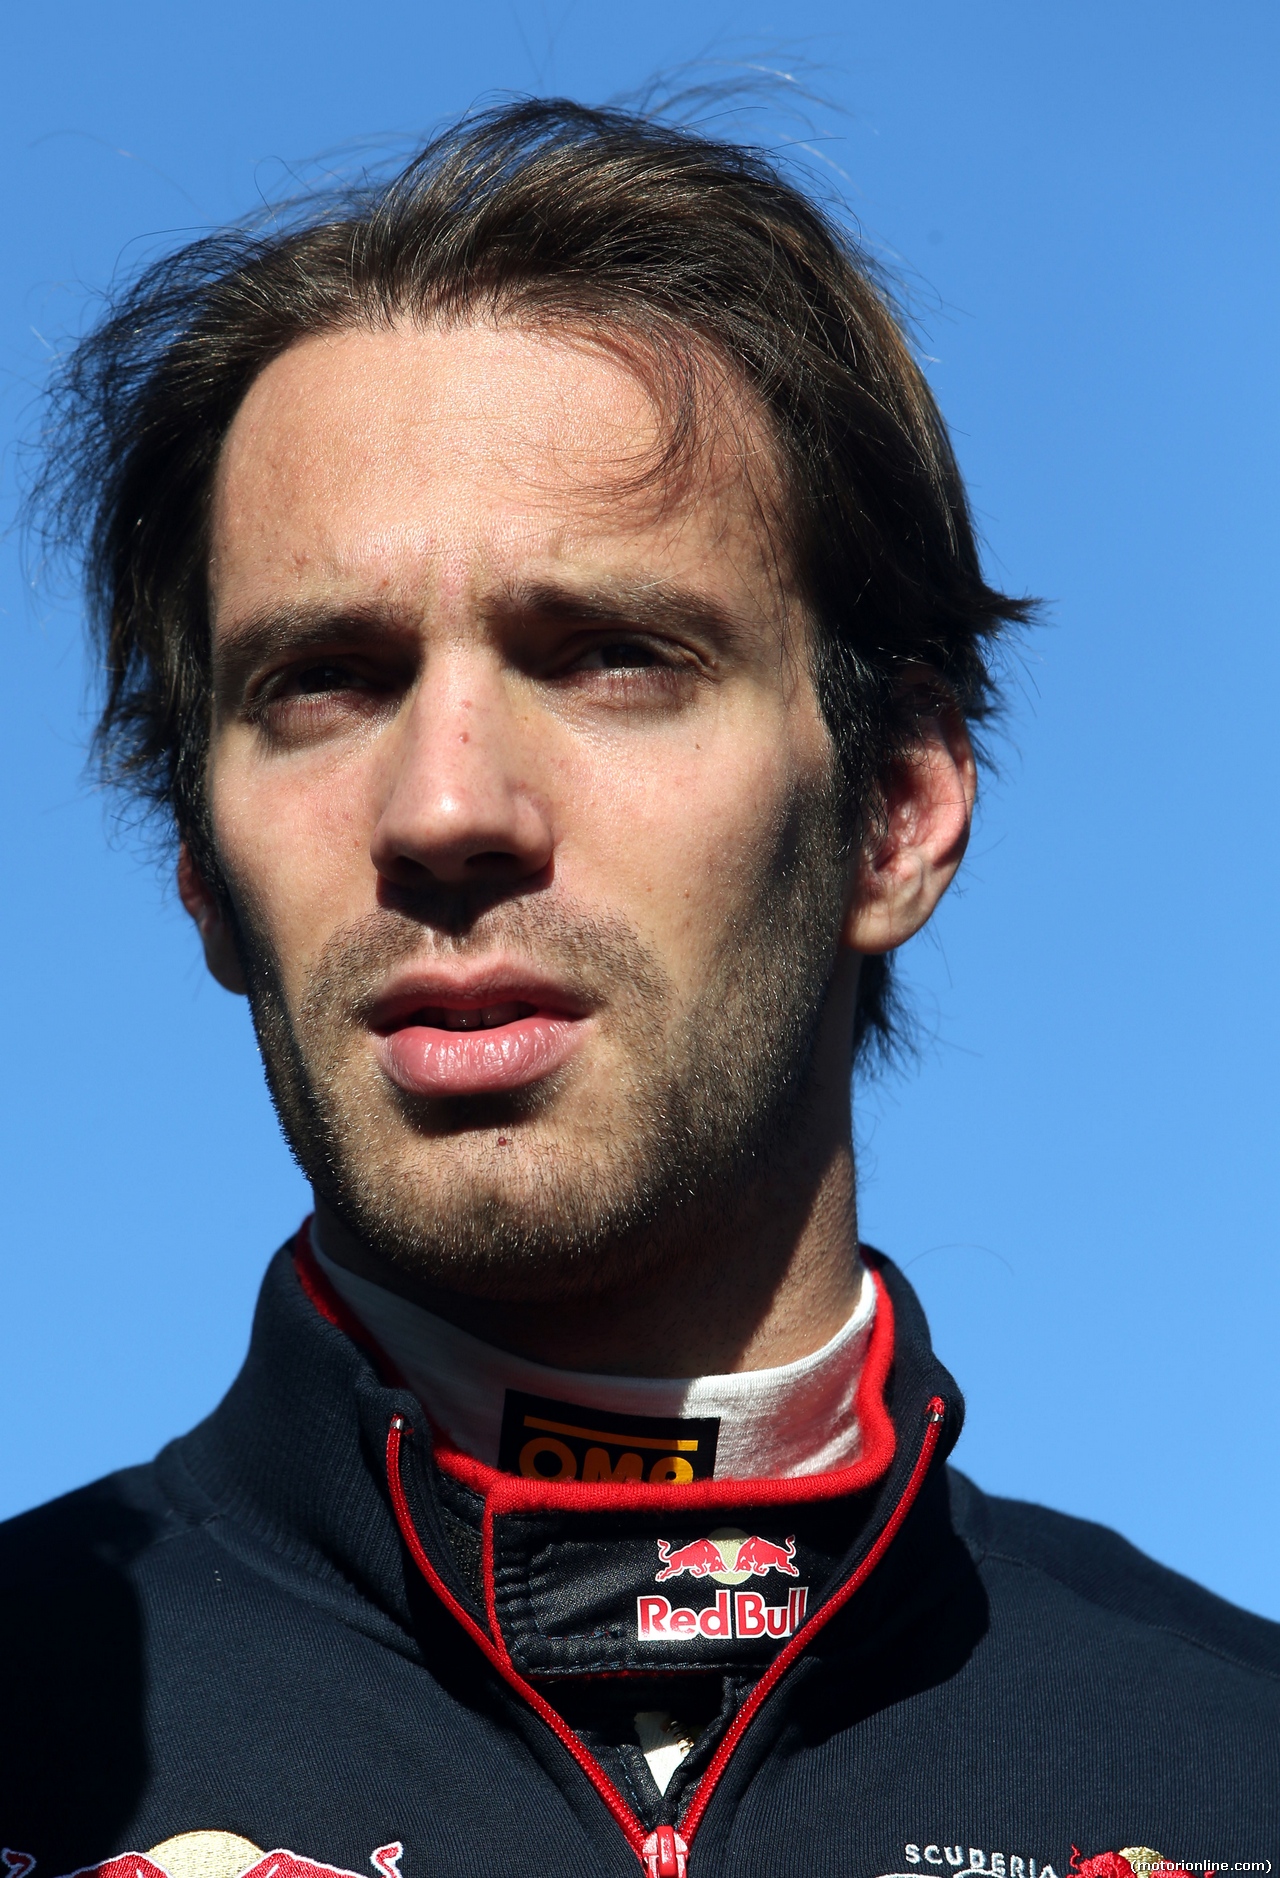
[
  {"x": 484, "y": 1017},
  {"x": 439, "y": 1039}
]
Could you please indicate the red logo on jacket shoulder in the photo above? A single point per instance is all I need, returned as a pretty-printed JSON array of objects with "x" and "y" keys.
[
  {"x": 1135, "y": 1861},
  {"x": 213, "y": 1855}
]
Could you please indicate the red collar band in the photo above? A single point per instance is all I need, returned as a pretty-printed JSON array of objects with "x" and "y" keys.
[{"x": 510, "y": 1493}]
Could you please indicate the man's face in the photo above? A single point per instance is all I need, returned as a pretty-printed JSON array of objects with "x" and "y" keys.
[{"x": 523, "y": 799}]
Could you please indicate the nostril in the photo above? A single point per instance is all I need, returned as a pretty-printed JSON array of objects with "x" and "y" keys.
[{"x": 493, "y": 857}]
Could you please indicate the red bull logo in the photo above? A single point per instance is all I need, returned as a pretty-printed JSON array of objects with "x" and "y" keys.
[
  {"x": 759, "y": 1556},
  {"x": 700, "y": 1558},
  {"x": 735, "y": 1614},
  {"x": 213, "y": 1855},
  {"x": 728, "y": 1557}
]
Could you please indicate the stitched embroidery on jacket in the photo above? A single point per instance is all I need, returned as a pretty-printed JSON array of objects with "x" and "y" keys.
[{"x": 212, "y": 1855}]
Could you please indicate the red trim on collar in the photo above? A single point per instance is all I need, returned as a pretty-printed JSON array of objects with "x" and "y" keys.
[
  {"x": 334, "y": 1309},
  {"x": 509, "y": 1493},
  {"x": 495, "y": 1649},
  {"x": 760, "y": 1692}
]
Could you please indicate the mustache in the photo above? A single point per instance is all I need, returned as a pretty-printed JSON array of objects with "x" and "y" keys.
[{"x": 596, "y": 956}]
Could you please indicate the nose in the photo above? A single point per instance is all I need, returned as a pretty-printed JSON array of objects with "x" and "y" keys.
[{"x": 458, "y": 808}]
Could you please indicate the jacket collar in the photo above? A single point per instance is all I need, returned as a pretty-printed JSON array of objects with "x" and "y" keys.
[{"x": 297, "y": 1454}]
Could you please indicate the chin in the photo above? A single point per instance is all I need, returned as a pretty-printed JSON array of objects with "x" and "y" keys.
[{"x": 509, "y": 1223}]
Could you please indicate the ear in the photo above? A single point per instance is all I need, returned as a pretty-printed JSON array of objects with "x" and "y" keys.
[
  {"x": 928, "y": 815},
  {"x": 211, "y": 923}
]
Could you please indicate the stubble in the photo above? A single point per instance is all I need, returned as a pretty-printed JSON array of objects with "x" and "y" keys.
[{"x": 537, "y": 1195}]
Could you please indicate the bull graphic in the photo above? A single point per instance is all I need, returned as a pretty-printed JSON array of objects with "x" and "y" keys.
[
  {"x": 761, "y": 1556},
  {"x": 699, "y": 1558},
  {"x": 703, "y": 1558}
]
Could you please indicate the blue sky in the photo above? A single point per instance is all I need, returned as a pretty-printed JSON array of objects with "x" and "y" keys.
[{"x": 1080, "y": 1175}]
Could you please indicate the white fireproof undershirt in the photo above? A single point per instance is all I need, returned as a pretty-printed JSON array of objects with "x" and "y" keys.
[{"x": 774, "y": 1423}]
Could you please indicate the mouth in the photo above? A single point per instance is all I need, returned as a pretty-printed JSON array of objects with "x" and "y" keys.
[
  {"x": 468, "y": 1017},
  {"x": 482, "y": 1040}
]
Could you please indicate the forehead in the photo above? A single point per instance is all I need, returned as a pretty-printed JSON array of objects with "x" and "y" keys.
[{"x": 475, "y": 453}]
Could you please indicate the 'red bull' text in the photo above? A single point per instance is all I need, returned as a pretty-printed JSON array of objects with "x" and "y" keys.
[{"x": 738, "y": 1614}]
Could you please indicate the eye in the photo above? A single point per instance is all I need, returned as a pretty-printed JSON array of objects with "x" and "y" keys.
[
  {"x": 302, "y": 685},
  {"x": 636, "y": 671},
  {"x": 315, "y": 680},
  {"x": 317, "y": 697},
  {"x": 621, "y": 655}
]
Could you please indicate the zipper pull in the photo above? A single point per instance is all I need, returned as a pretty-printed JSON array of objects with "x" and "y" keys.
[{"x": 665, "y": 1854}]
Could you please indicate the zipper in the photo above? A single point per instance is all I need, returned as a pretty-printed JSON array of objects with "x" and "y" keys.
[
  {"x": 787, "y": 1655},
  {"x": 496, "y": 1652},
  {"x": 663, "y": 1853}
]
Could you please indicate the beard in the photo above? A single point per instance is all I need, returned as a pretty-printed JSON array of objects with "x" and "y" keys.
[{"x": 549, "y": 1192}]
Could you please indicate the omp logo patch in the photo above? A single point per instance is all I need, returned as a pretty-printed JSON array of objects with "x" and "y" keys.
[
  {"x": 727, "y": 1557},
  {"x": 543, "y": 1439}
]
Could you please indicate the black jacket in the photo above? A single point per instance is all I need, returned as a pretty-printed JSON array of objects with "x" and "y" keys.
[{"x": 302, "y": 1627}]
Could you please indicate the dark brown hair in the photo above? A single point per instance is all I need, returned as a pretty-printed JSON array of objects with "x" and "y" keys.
[{"x": 551, "y": 211}]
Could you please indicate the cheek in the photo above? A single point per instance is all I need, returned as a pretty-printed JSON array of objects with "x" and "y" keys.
[
  {"x": 294, "y": 843},
  {"x": 682, "y": 838}
]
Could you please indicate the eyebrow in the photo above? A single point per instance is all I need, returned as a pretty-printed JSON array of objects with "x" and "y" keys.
[
  {"x": 657, "y": 604},
  {"x": 286, "y": 628}
]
